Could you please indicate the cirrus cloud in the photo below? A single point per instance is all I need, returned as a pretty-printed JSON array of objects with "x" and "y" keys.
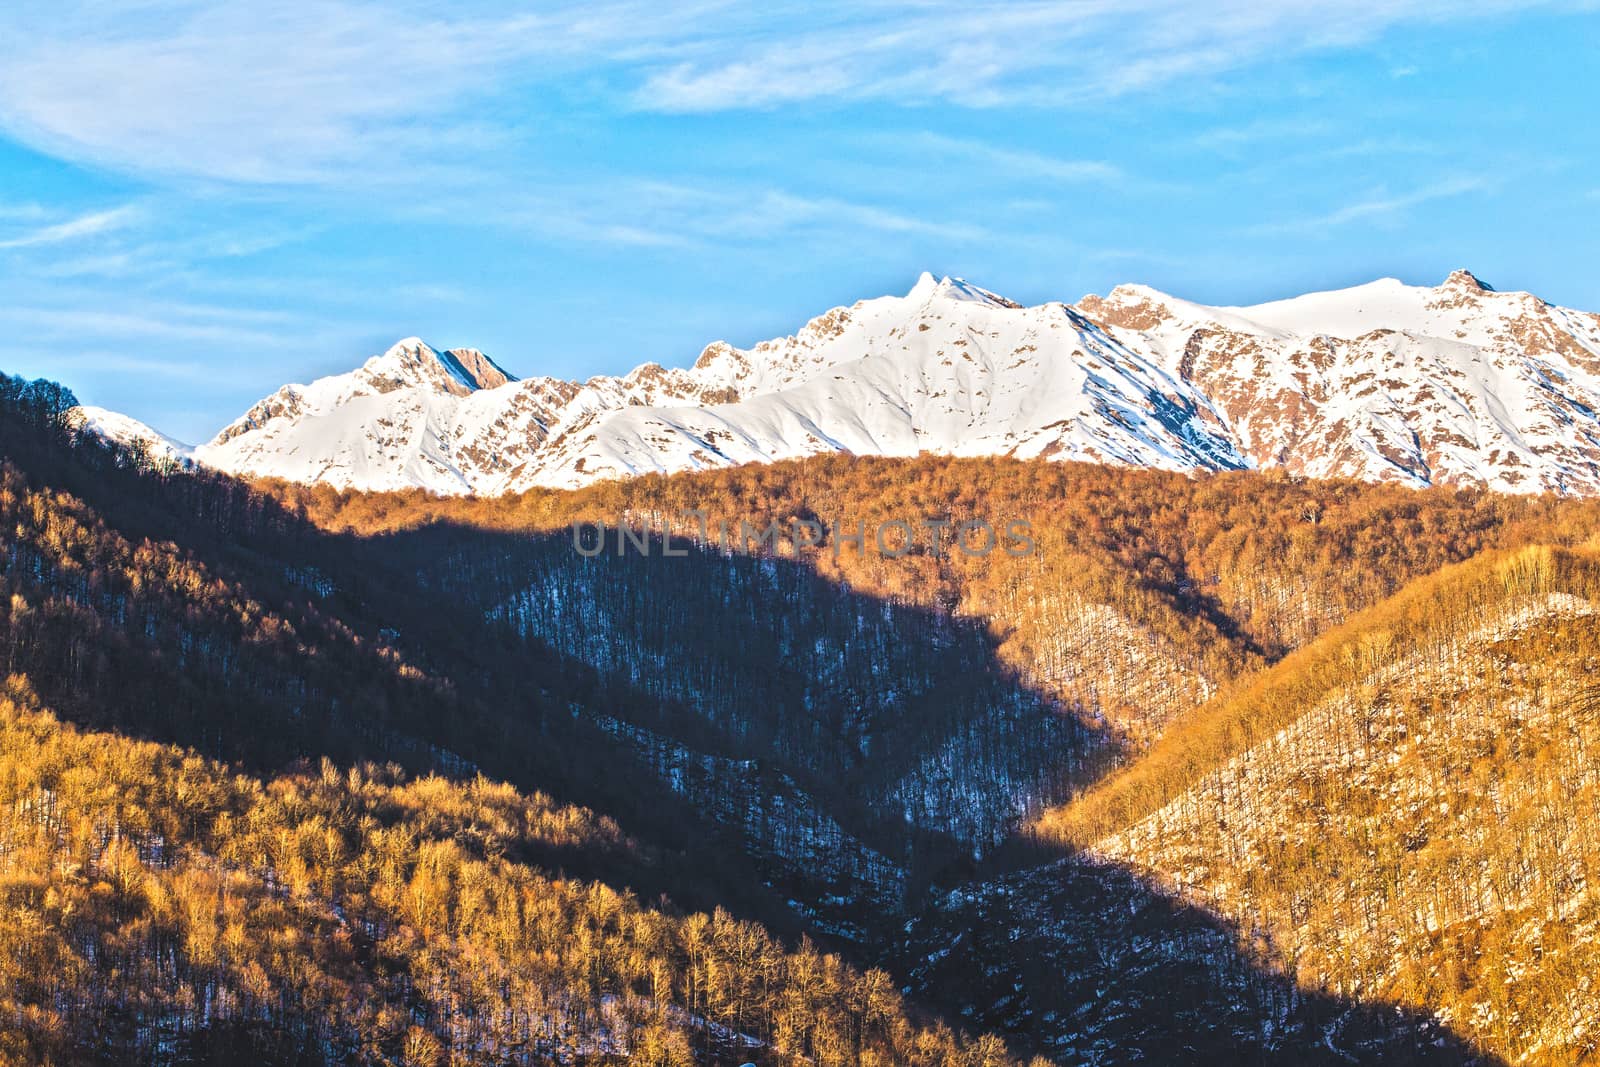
[{"x": 415, "y": 93}]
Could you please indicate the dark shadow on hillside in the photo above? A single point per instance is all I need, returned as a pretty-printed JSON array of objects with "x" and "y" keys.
[
  {"x": 366, "y": 669},
  {"x": 752, "y": 721},
  {"x": 1085, "y": 963},
  {"x": 1079, "y": 962},
  {"x": 901, "y": 718}
]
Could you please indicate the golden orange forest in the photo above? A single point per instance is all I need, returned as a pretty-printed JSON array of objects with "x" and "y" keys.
[{"x": 1232, "y": 768}]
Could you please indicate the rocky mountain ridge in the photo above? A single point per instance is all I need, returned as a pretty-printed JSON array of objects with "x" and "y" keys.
[{"x": 1455, "y": 384}]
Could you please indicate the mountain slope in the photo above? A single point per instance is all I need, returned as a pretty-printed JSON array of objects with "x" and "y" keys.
[
  {"x": 833, "y": 746},
  {"x": 947, "y": 369},
  {"x": 354, "y": 915},
  {"x": 413, "y": 416},
  {"x": 1406, "y": 810},
  {"x": 1456, "y": 385},
  {"x": 352, "y": 885},
  {"x": 129, "y": 432},
  {"x": 1453, "y": 385},
  {"x": 1148, "y": 590}
]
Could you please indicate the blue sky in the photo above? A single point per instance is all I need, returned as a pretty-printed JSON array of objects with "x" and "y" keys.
[{"x": 199, "y": 202}]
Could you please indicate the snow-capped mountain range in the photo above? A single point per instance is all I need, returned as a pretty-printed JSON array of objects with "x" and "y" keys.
[{"x": 1456, "y": 384}]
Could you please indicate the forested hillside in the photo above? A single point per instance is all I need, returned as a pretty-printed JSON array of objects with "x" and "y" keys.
[
  {"x": 1407, "y": 809},
  {"x": 1147, "y": 592},
  {"x": 1153, "y": 599},
  {"x": 159, "y": 908},
  {"x": 308, "y": 776}
]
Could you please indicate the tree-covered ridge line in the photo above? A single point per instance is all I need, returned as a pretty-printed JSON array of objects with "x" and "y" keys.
[
  {"x": 1206, "y": 578},
  {"x": 1436, "y": 614}
]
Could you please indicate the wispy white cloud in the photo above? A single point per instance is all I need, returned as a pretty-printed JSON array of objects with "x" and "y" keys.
[
  {"x": 775, "y": 212},
  {"x": 1367, "y": 147},
  {"x": 1040, "y": 53},
  {"x": 1250, "y": 134},
  {"x": 57, "y": 314},
  {"x": 1381, "y": 207},
  {"x": 146, "y": 242},
  {"x": 80, "y": 323},
  {"x": 21, "y": 212},
  {"x": 665, "y": 214},
  {"x": 433, "y": 292},
  {"x": 77, "y": 324},
  {"x": 1012, "y": 162},
  {"x": 72, "y": 229},
  {"x": 411, "y": 92},
  {"x": 107, "y": 361},
  {"x": 299, "y": 92}
]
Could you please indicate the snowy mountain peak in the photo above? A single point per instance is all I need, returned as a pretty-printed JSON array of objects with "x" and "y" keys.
[
  {"x": 926, "y": 285},
  {"x": 1129, "y": 307},
  {"x": 1455, "y": 384},
  {"x": 412, "y": 361},
  {"x": 472, "y": 366},
  {"x": 1465, "y": 279},
  {"x": 947, "y": 288}
]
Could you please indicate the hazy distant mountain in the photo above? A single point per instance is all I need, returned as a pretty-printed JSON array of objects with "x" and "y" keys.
[{"x": 1456, "y": 384}]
